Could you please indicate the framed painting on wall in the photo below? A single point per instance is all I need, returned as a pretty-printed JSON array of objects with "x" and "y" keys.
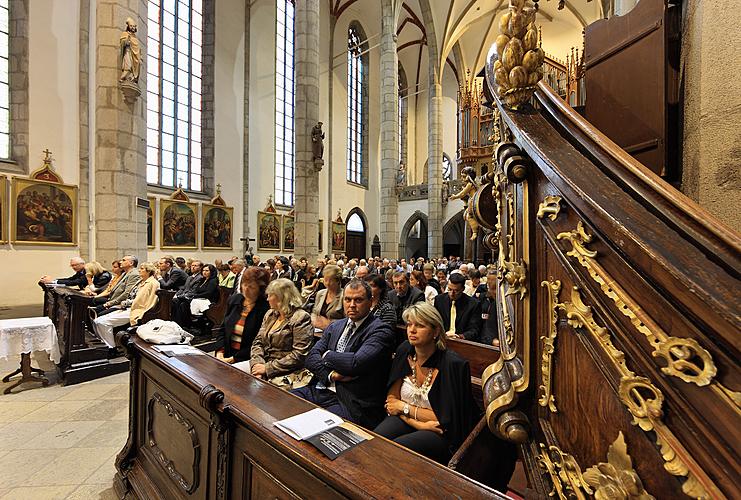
[
  {"x": 150, "y": 221},
  {"x": 268, "y": 231},
  {"x": 289, "y": 236},
  {"x": 45, "y": 209},
  {"x": 339, "y": 236},
  {"x": 217, "y": 226},
  {"x": 3, "y": 209},
  {"x": 178, "y": 222}
]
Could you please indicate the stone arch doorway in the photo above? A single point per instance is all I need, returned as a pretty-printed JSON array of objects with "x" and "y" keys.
[
  {"x": 454, "y": 236},
  {"x": 357, "y": 227},
  {"x": 413, "y": 240}
]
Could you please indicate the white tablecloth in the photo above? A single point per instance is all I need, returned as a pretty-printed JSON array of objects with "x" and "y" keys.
[{"x": 26, "y": 335}]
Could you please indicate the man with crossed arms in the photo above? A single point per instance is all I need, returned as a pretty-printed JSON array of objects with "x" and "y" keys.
[{"x": 351, "y": 361}]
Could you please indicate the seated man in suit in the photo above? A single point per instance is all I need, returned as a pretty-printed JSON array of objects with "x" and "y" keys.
[
  {"x": 351, "y": 361},
  {"x": 403, "y": 295},
  {"x": 123, "y": 288},
  {"x": 171, "y": 277},
  {"x": 76, "y": 280},
  {"x": 489, "y": 327},
  {"x": 461, "y": 313}
]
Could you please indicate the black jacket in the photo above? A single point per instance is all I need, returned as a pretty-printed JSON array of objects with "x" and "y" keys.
[
  {"x": 252, "y": 324},
  {"x": 173, "y": 280},
  {"x": 435, "y": 284},
  {"x": 207, "y": 290},
  {"x": 76, "y": 280},
  {"x": 100, "y": 281},
  {"x": 367, "y": 357},
  {"x": 191, "y": 283},
  {"x": 467, "y": 314},
  {"x": 489, "y": 327},
  {"x": 450, "y": 395},
  {"x": 413, "y": 296}
]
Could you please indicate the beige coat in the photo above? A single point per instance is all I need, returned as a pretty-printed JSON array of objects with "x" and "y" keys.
[
  {"x": 283, "y": 350},
  {"x": 146, "y": 298},
  {"x": 335, "y": 310}
]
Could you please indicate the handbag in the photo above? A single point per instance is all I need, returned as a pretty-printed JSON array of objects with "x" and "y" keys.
[{"x": 293, "y": 380}]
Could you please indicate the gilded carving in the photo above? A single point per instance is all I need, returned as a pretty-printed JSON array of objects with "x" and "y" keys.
[
  {"x": 550, "y": 207},
  {"x": 516, "y": 277},
  {"x": 165, "y": 462},
  {"x": 615, "y": 479},
  {"x": 644, "y": 401},
  {"x": 685, "y": 358},
  {"x": 549, "y": 346}
]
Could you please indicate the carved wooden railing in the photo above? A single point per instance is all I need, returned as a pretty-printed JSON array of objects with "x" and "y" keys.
[{"x": 619, "y": 317}]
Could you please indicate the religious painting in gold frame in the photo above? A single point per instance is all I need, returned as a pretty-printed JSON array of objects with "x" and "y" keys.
[
  {"x": 178, "y": 222},
  {"x": 289, "y": 234},
  {"x": 44, "y": 209},
  {"x": 3, "y": 209},
  {"x": 339, "y": 236},
  {"x": 217, "y": 226},
  {"x": 268, "y": 231},
  {"x": 150, "y": 221}
]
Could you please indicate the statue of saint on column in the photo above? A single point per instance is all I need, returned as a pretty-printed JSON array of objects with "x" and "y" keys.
[
  {"x": 317, "y": 146},
  {"x": 131, "y": 57}
]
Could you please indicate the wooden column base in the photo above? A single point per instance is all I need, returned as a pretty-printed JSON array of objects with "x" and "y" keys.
[{"x": 26, "y": 371}]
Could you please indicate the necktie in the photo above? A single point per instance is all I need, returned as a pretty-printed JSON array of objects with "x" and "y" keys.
[
  {"x": 452, "y": 317},
  {"x": 342, "y": 343}
]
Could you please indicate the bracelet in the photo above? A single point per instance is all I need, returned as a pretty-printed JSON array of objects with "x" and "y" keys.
[{"x": 415, "y": 412}]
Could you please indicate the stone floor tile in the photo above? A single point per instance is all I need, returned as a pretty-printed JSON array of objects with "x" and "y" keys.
[
  {"x": 54, "y": 411},
  {"x": 97, "y": 491},
  {"x": 16, "y": 434},
  {"x": 104, "y": 474},
  {"x": 18, "y": 466},
  {"x": 72, "y": 466},
  {"x": 119, "y": 378},
  {"x": 119, "y": 391},
  {"x": 10, "y": 411},
  {"x": 62, "y": 435},
  {"x": 99, "y": 410},
  {"x": 122, "y": 416},
  {"x": 91, "y": 392},
  {"x": 39, "y": 492},
  {"x": 111, "y": 433}
]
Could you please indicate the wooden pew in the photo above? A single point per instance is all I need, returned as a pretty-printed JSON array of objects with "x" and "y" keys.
[
  {"x": 217, "y": 311},
  {"x": 84, "y": 357},
  {"x": 200, "y": 429}
]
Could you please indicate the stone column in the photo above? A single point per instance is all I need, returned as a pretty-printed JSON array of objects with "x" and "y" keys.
[
  {"x": 389, "y": 134},
  {"x": 435, "y": 174},
  {"x": 712, "y": 107},
  {"x": 307, "y": 115},
  {"x": 120, "y": 132}
]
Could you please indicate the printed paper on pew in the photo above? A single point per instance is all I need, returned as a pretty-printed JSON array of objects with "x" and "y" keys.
[{"x": 309, "y": 424}]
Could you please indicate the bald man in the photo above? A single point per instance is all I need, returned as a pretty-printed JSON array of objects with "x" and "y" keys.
[{"x": 78, "y": 279}]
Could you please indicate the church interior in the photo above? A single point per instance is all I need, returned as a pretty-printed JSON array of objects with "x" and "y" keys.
[{"x": 497, "y": 240}]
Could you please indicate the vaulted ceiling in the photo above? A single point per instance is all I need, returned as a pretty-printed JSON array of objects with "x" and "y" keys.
[{"x": 459, "y": 33}]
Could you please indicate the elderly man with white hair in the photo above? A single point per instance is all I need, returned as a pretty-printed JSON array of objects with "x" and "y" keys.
[{"x": 78, "y": 279}]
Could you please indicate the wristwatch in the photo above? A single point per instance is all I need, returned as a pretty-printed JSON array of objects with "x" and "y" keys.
[{"x": 406, "y": 409}]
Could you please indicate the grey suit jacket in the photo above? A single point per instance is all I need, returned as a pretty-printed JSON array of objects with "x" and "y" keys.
[{"x": 123, "y": 288}]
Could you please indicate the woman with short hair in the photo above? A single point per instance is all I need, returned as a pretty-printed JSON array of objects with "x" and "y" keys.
[
  {"x": 429, "y": 404},
  {"x": 417, "y": 279},
  {"x": 245, "y": 312},
  {"x": 381, "y": 306},
  {"x": 284, "y": 340},
  {"x": 328, "y": 303}
]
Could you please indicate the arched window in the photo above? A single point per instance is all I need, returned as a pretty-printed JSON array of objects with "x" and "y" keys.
[
  {"x": 285, "y": 90},
  {"x": 355, "y": 223},
  {"x": 174, "y": 82},
  {"x": 357, "y": 104},
  {"x": 4, "y": 79},
  {"x": 403, "y": 113}
]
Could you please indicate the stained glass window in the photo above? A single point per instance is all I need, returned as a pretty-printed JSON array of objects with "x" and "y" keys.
[
  {"x": 285, "y": 90},
  {"x": 356, "y": 113}
]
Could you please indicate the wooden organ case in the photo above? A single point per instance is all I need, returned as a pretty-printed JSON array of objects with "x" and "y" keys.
[{"x": 619, "y": 318}]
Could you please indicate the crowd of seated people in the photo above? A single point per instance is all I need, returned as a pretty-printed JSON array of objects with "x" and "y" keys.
[{"x": 329, "y": 332}]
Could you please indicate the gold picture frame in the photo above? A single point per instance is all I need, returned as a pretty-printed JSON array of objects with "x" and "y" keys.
[
  {"x": 45, "y": 212},
  {"x": 288, "y": 234},
  {"x": 150, "y": 222},
  {"x": 3, "y": 209},
  {"x": 217, "y": 227},
  {"x": 178, "y": 224},
  {"x": 267, "y": 225},
  {"x": 339, "y": 236}
]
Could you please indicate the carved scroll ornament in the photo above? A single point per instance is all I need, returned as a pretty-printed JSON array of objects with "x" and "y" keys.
[
  {"x": 644, "y": 401},
  {"x": 685, "y": 358}
]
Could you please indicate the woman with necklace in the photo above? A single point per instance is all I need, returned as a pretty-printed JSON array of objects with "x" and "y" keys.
[{"x": 429, "y": 404}]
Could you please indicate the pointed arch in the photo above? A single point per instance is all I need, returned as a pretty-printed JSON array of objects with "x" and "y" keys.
[
  {"x": 357, "y": 240},
  {"x": 414, "y": 247}
]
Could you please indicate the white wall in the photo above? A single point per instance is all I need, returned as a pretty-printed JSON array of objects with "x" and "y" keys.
[{"x": 54, "y": 124}]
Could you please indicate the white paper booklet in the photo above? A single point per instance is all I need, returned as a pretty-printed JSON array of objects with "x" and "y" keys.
[{"x": 311, "y": 423}]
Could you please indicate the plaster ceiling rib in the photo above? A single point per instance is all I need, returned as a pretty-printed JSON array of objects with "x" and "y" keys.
[
  {"x": 576, "y": 13},
  {"x": 460, "y": 62},
  {"x": 455, "y": 70},
  {"x": 410, "y": 43},
  {"x": 432, "y": 46},
  {"x": 452, "y": 34},
  {"x": 482, "y": 47}
]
